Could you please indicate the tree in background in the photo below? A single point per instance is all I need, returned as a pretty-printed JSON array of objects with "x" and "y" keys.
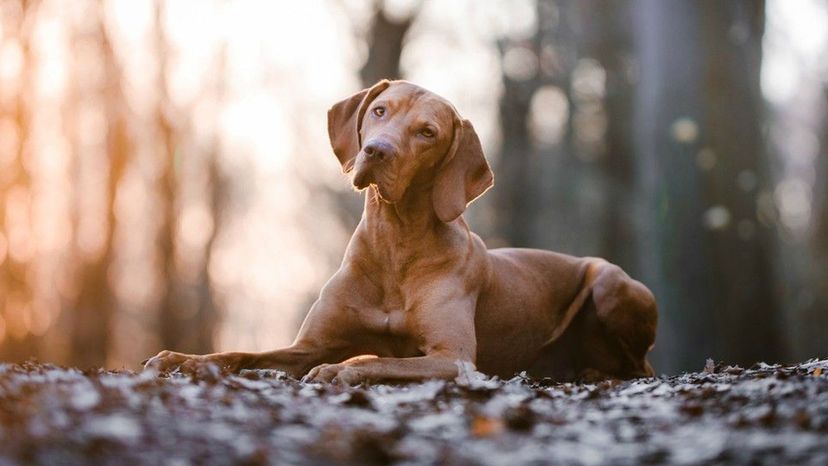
[
  {"x": 813, "y": 318},
  {"x": 658, "y": 163},
  {"x": 15, "y": 189},
  {"x": 386, "y": 39},
  {"x": 629, "y": 129},
  {"x": 187, "y": 314},
  {"x": 528, "y": 173},
  {"x": 93, "y": 305},
  {"x": 171, "y": 312},
  {"x": 745, "y": 290},
  {"x": 558, "y": 184},
  {"x": 83, "y": 271},
  {"x": 702, "y": 167},
  {"x": 607, "y": 36}
]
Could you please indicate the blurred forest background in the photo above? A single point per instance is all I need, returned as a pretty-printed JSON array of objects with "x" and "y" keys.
[{"x": 166, "y": 179}]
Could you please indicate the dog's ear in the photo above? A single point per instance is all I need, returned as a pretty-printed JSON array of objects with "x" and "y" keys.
[
  {"x": 463, "y": 175},
  {"x": 345, "y": 121}
]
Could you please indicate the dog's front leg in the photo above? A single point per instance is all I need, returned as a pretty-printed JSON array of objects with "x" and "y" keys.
[
  {"x": 296, "y": 359},
  {"x": 446, "y": 328},
  {"x": 386, "y": 369},
  {"x": 325, "y": 336}
]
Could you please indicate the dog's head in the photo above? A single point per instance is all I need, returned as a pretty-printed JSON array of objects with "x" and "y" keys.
[{"x": 395, "y": 135}]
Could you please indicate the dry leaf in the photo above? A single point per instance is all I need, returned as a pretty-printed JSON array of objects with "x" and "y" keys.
[
  {"x": 709, "y": 366},
  {"x": 817, "y": 372},
  {"x": 486, "y": 426}
]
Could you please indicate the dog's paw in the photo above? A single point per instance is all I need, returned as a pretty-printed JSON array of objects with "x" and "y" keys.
[
  {"x": 344, "y": 374},
  {"x": 170, "y": 361},
  {"x": 322, "y": 373}
]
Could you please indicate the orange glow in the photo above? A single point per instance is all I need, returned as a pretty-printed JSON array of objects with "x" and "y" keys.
[{"x": 166, "y": 163}]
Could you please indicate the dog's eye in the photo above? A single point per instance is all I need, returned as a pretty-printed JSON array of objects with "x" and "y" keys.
[
  {"x": 427, "y": 132},
  {"x": 379, "y": 111}
]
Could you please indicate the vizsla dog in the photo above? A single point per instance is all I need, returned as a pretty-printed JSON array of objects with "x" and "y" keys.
[{"x": 420, "y": 293}]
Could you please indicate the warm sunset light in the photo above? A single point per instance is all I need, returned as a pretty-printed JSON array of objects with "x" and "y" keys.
[
  {"x": 421, "y": 232},
  {"x": 167, "y": 180}
]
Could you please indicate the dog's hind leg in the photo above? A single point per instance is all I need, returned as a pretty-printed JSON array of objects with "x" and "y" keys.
[
  {"x": 619, "y": 325},
  {"x": 610, "y": 327}
]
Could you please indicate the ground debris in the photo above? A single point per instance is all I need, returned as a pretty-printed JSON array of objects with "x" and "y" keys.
[{"x": 765, "y": 414}]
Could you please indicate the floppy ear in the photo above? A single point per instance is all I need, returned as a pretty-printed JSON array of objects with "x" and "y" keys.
[
  {"x": 345, "y": 121},
  {"x": 463, "y": 175}
]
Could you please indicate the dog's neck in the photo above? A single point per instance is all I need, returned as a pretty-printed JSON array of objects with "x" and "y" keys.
[
  {"x": 412, "y": 214},
  {"x": 395, "y": 234}
]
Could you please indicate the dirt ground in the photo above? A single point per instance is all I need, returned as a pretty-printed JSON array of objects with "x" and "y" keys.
[{"x": 767, "y": 414}]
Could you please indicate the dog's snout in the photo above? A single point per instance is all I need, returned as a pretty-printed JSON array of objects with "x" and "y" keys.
[{"x": 379, "y": 150}]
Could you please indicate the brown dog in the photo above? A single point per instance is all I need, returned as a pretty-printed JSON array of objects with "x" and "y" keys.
[{"x": 419, "y": 291}]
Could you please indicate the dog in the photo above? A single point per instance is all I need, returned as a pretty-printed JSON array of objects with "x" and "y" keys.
[{"x": 418, "y": 295}]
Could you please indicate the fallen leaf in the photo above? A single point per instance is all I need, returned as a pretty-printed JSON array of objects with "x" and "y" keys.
[
  {"x": 692, "y": 409},
  {"x": 486, "y": 426},
  {"x": 709, "y": 366},
  {"x": 817, "y": 372},
  {"x": 520, "y": 418}
]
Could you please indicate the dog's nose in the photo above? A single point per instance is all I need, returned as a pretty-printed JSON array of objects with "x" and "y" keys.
[{"x": 379, "y": 150}]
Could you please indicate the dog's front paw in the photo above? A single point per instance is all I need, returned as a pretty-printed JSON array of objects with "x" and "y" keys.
[
  {"x": 344, "y": 374},
  {"x": 169, "y": 361}
]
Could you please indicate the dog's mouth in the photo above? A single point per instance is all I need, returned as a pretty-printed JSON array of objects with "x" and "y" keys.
[
  {"x": 365, "y": 176},
  {"x": 361, "y": 180},
  {"x": 365, "y": 179},
  {"x": 379, "y": 191},
  {"x": 361, "y": 183},
  {"x": 381, "y": 195}
]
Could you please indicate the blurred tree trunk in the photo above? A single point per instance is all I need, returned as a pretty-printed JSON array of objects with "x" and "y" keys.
[
  {"x": 676, "y": 262},
  {"x": 609, "y": 40},
  {"x": 94, "y": 304},
  {"x": 550, "y": 190},
  {"x": 820, "y": 230},
  {"x": 514, "y": 200},
  {"x": 207, "y": 315},
  {"x": 521, "y": 198},
  {"x": 187, "y": 312},
  {"x": 171, "y": 321},
  {"x": 814, "y": 318},
  {"x": 15, "y": 187},
  {"x": 744, "y": 290},
  {"x": 198, "y": 316},
  {"x": 386, "y": 40},
  {"x": 698, "y": 136}
]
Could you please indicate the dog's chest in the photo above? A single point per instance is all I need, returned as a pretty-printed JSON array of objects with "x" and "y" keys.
[{"x": 383, "y": 320}]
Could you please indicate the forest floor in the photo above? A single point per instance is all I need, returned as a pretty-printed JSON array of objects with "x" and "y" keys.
[{"x": 767, "y": 414}]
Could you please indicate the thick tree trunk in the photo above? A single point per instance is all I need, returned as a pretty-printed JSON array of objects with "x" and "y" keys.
[
  {"x": 171, "y": 321},
  {"x": 675, "y": 259},
  {"x": 744, "y": 290},
  {"x": 515, "y": 201},
  {"x": 812, "y": 319},
  {"x": 702, "y": 166},
  {"x": 385, "y": 45},
  {"x": 207, "y": 315},
  {"x": 609, "y": 40},
  {"x": 15, "y": 187},
  {"x": 95, "y": 305},
  {"x": 534, "y": 203}
]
